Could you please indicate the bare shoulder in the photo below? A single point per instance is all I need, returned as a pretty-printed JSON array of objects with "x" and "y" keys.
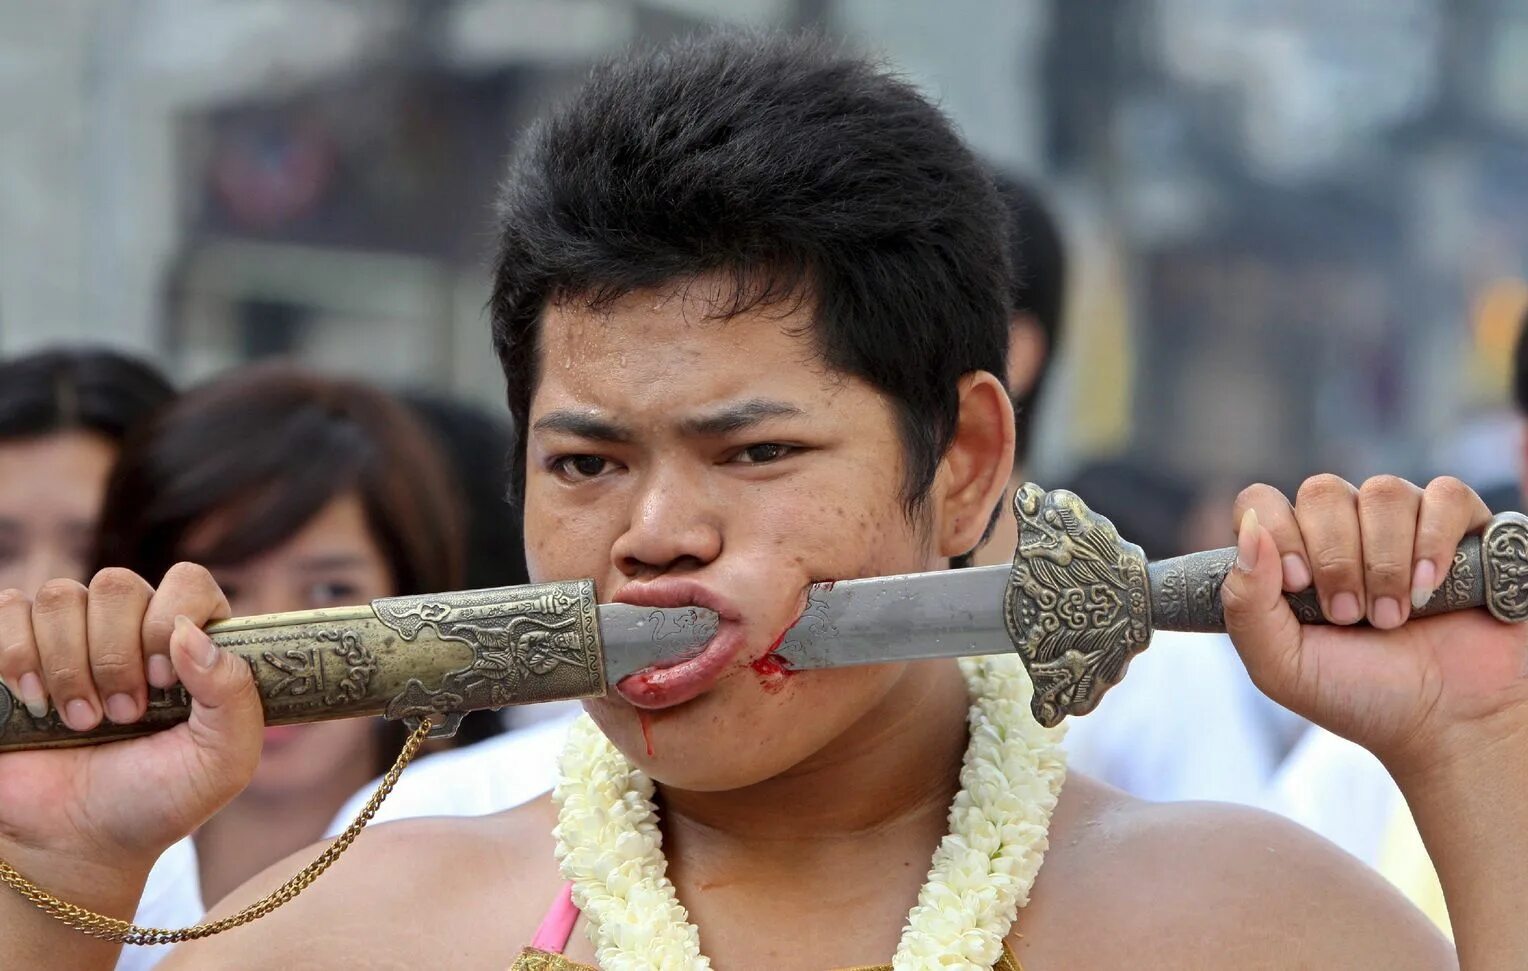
[
  {"x": 444, "y": 892},
  {"x": 1174, "y": 885}
]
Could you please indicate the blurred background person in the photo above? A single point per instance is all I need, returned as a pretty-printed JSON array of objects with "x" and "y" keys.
[
  {"x": 1153, "y": 743},
  {"x": 1520, "y": 399},
  {"x": 63, "y": 415},
  {"x": 519, "y": 765},
  {"x": 476, "y": 442},
  {"x": 1037, "y": 301},
  {"x": 297, "y": 491}
]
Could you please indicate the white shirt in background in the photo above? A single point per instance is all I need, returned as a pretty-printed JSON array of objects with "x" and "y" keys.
[{"x": 1185, "y": 723}]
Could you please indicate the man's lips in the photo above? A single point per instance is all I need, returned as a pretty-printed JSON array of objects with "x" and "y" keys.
[{"x": 682, "y": 680}]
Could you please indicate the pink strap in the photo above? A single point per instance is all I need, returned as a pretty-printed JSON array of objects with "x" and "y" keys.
[{"x": 557, "y": 926}]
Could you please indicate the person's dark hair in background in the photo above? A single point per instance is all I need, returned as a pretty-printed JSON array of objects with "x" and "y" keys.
[
  {"x": 63, "y": 415},
  {"x": 1037, "y": 293},
  {"x": 1501, "y": 500},
  {"x": 1513, "y": 494},
  {"x": 267, "y": 448},
  {"x": 875, "y": 214},
  {"x": 1520, "y": 368},
  {"x": 297, "y": 491},
  {"x": 478, "y": 445},
  {"x": 67, "y": 389}
]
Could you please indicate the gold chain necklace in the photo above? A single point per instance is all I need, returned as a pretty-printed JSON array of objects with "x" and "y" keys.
[{"x": 104, "y": 928}]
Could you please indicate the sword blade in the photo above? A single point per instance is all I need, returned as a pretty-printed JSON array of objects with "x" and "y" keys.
[
  {"x": 640, "y": 637},
  {"x": 912, "y": 617}
]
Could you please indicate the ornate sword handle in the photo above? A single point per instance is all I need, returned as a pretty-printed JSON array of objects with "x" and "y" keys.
[
  {"x": 1489, "y": 570},
  {"x": 1081, "y": 601},
  {"x": 437, "y": 655}
]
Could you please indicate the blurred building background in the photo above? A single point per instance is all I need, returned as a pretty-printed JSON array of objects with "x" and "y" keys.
[{"x": 1299, "y": 231}]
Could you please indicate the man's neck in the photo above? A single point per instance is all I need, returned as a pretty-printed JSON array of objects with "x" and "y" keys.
[{"x": 897, "y": 766}]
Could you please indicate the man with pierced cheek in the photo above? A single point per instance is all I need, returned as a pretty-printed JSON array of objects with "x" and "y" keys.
[{"x": 750, "y": 302}]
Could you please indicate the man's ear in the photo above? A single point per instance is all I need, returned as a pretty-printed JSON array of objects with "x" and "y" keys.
[{"x": 976, "y": 466}]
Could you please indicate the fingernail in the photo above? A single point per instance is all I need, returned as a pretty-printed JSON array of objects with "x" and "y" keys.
[
  {"x": 203, "y": 651},
  {"x": 1247, "y": 543},
  {"x": 1345, "y": 609},
  {"x": 1424, "y": 583},
  {"x": 1296, "y": 573},
  {"x": 1387, "y": 613},
  {"x": 122, "y": 709},
  {"x": 161, "y": 671},
  {"x": 79, "y": 715},
  {"x": 33, "y": 696}
]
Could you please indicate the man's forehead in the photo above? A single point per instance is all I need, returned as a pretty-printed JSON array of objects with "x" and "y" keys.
[
  {"x": 707, "y": 306},
  {"x": 638, "y": 348}
]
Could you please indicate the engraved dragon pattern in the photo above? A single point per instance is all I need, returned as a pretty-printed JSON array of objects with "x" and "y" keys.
[{"x": 1077, "y": 606}]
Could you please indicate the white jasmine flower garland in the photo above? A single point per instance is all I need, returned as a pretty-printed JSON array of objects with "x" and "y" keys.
[{"x": 610, "y": 847}]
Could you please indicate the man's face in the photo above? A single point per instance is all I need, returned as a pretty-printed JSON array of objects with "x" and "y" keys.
[{"x": 681, "y": 459}]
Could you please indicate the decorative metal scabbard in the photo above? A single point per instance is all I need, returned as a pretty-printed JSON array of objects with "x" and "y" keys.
[
  {"x": 1081, "y": 601},
  {"x": 437, "y": 656}
]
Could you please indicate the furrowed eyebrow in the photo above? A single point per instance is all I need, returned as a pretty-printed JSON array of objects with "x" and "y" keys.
[
  {"x": 737, "y": 417},
  {"x": 584, "y": 425}
]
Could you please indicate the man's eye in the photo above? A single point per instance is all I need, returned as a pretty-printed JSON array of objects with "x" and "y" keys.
[
  {"x": 763, "y": 453},
  {"x": 580, "y": 466}
]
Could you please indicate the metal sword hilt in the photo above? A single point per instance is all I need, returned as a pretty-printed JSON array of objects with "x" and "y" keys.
[
  {"x": 438, "y": 656},
  {"x": 1081, "y": 601}
]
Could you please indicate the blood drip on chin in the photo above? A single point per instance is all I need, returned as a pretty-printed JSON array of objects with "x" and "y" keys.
[
  {"x": 771, "y": 668},
  {"x": 645, "y": 719}
]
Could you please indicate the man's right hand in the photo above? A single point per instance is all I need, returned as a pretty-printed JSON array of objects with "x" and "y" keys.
[{"x": 92, "y": 653}]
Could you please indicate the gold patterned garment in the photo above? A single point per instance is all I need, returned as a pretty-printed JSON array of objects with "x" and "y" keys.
[{"x": 533, "y": 960}]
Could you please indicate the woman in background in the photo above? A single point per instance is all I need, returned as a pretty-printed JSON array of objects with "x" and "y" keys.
[
  {"x": 297, "y": 491},
  {"x": 63, "y": 415}
]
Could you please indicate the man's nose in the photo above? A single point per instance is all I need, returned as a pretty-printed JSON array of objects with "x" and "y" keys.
[{"x": 673, "y": 525}]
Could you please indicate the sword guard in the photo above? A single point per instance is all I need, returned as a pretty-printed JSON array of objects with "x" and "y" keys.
[
  {"x": 1078, "y": 602},
  {"x": 1081, "y": 601}
]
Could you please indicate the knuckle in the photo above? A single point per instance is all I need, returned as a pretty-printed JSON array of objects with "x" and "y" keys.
[
  {"x": 59, "y": 595},
  {"x": 1385, "y": 489},
  {"x": 1389, "y": 572},
  {"x": 116, "y": 583},
  {"x": 188, "y": 575},
  {"x": 13, "y": 599},
  {"x": 157, "y": 628},
  {"x": 64, "y": 674},
  {"x": 1258, "y": 494},
  {"x": 1334, "y": 563},
  {"x": 1446, "y": 488},
  {"x": 115, "y": 665},
  {"x": 1324, "y": 487},
  {"x": 17, "y": 657}
]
